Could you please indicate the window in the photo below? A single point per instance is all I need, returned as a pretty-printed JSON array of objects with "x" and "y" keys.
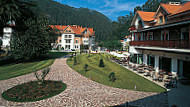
[
  {"x": 65, "y": 36},
  {"x": 166, "y": 19},
  {"x": 68, "y": 41},
  {"x": 76, "y": 46},
  {"x": 69, "y": 30},
  {"x": 76, "y": 41},
  {"x": 85, "y": 32},
  {"x": 85, "y": 41},
  {"x": 69, "y": 36},
  {"x": 59, "y": 40},
  {"x": 67, "y": 46},
  {"x": 140, "y": 22},
  {"x": 161, "y": 19}
]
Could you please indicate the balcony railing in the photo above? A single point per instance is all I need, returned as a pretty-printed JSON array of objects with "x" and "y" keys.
[
  {"x": 181, "y": 44},
  {"x": 133, "y": 28}
]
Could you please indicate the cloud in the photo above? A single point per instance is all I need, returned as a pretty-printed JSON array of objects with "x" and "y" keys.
[
  {"x": 113, "y": 7},
  {"x": 118, "y": 5}
]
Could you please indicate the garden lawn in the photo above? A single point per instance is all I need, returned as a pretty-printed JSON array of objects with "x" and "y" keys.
[
  {"x": 125, "y": 78},
  {"x": 16, "y": 69}
]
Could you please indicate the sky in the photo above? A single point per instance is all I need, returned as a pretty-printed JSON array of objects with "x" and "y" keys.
[{"x": 111, "y": 8}]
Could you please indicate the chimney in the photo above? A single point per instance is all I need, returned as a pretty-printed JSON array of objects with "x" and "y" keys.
[{"x": 174, "y": 3}]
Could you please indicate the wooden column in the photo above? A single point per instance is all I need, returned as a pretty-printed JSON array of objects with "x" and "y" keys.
[
  {"x": 138, "y": 37},
  {"x": 165, "y": 34},
  {"x": 134, "y": 36},
  {"x": 189, "y": 35}
]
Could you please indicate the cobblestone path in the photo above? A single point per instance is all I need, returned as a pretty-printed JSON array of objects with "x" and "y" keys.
[{"x": 82, "y": 92}]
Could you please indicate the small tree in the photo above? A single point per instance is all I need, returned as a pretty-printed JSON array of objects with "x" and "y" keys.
[
  {"x": 112, "y": 77},
  {"x": 72, "y": 54},
  {"x": 85, "y": 67},
  {"x": 101, "y": 63},
  {"x": 75, "y": 60},
  {"x": 41, "y": 76}
]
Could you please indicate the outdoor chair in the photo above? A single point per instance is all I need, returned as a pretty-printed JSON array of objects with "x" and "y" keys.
[
  {"x": 134, "y": 67},
  {"x": 160, "y": 79},
  {"x": 125, "y": 64},
  {"x": 147, "y": 74},
  {"x": 155, "y": 78}
]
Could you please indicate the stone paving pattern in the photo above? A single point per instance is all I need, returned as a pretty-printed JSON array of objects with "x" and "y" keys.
[{"x": 82, "y": 92}]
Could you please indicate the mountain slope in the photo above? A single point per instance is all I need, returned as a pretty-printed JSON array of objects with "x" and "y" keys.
[{"x": 60, "y": 14}]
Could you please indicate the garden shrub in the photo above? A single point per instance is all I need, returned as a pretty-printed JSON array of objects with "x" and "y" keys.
[
  {"x": 75, "y": 60},
  {"x": 85, "y": 67},
  {"x": 101, "y": 64},
  {"x": 112, "y": 77}
]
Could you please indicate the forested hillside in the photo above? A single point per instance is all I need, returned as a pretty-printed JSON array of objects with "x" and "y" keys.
[{"x": 60, "y": 14}]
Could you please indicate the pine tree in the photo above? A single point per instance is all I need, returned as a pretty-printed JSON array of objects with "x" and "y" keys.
[
  {"x": 101, "y": 64},
  {"x": 75, "y": 60}
]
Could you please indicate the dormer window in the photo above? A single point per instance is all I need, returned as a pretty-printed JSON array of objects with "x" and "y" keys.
[
  {"x": 140, "y": 22},
  {"x": 166, "y": 19},
  {"x": 161, "y": 19}
]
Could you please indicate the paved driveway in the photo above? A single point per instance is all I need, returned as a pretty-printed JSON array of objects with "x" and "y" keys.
[{"x": 81, "y": 91}]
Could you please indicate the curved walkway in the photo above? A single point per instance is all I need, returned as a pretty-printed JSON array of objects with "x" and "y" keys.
[{"x": 82, "y": 91}]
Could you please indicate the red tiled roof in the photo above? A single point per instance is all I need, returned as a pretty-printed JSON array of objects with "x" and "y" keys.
[
  {"x": 91, "y": 31},
  {"x": 170, "y": 8},
  {"x": 185, "y": 7},
  {"x": 146, "y": 16},
  {"x": 77, "y": 29},
  {"x": 59, "y": 27}
]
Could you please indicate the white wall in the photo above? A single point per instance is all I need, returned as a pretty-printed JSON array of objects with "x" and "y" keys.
[
  {"x": 63, "y": 42},
  {"x": 7, "y": 31},
  {"x": 134, "y": 51},
  {"x": 137, "y": 22}
]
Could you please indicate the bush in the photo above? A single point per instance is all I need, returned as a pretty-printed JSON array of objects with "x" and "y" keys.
[
  {"x": 85, "y": 67},
  {"x": 75, "y": 61},
  {"x": 112, "y": 77},
  {"x": 101, "y": 63},
  {"x": 41, "y": 76}
]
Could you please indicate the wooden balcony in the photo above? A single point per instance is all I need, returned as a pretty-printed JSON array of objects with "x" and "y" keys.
[
  {"x": 180, "y": 44},
  {"x": 133, "y": 28}
]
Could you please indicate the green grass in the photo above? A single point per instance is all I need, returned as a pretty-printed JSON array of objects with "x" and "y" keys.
[
  {"x": 12, "y": 69},
  {"x": 125, "y": 79},
  {"x": 32, "y": 91}
]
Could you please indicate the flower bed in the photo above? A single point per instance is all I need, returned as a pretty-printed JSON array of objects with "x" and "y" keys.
[{"x": 32, "y": 91}]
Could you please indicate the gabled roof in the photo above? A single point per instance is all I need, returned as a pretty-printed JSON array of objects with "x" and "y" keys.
[
  {"x": 146, "y": 16},
  {"x": 75, "y": 28},
  {"x": 91, "y": 31},
  {"x": 170, "y": 8},
  {"x": 185, "y": 7}
]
